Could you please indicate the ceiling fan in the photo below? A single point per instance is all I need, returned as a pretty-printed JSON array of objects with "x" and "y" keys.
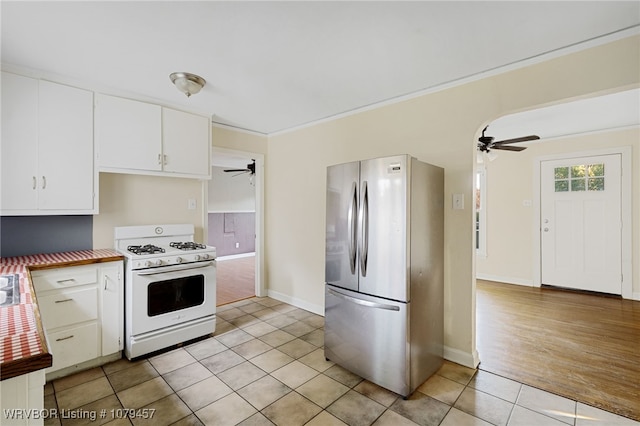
[
  {"x": 486, "y": 143},
  {"x": 251, "y": 169}
]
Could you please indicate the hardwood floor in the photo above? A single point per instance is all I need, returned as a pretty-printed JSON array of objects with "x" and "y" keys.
[
  {"x": 581, "y": 346},
  {"x": 235, "y": 279}
]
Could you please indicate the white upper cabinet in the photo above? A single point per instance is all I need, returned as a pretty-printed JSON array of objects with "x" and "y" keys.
[
  {"x": 128, "y": 134},
  {"x": 47, "y": 148},
  {"x": 183, "y": 141},
  {"x": 19, "y": 141},
  {"x": 142, "y": 138},
  {"x": 65, "y": 148}
]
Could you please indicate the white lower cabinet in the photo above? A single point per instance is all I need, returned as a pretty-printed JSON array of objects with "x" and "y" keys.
[
  {"x": 112, "y": 308},
  {"x": 67, "y": 307},
  {"x": 73, "y": 345},
  {"x": 82, "y": 314},
  {"x": 22, "y": 400}
]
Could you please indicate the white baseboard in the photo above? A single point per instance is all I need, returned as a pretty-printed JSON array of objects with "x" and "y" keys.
[
  {"x": 235, "y": 256},
  {"x": 467, "y": 359},
  {"x": 507, "y": 280},
  {"x": 528, "y": 283},
  {"x": 298, "y": 303}
]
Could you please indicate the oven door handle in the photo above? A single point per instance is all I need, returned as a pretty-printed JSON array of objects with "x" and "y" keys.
[{"x": 162, "y": 270}]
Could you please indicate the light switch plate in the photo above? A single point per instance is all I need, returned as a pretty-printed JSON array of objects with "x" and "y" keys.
[
  {"x": 191, "y": 204},
  {"x": 458, "y": 201}
]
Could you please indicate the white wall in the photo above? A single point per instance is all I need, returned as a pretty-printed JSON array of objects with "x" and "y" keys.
[
  {"x": 230, "y": 193},
  {"x": 510, "y": 225}
]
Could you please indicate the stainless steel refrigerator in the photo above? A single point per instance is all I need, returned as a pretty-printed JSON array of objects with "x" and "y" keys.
[{"x": 384, "y": 270}]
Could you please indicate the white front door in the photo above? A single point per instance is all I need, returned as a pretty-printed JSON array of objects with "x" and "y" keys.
[{"x": 580, "y": 214}]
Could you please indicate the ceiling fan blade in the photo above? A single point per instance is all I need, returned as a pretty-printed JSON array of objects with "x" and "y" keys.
[
  {"x": 236, "y": 170},
  {"x": 510, "y": 148},
  {"x": 516, "y": 140}
]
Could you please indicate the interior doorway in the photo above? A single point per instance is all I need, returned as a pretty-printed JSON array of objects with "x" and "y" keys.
[{"x": 234, "y": 223}]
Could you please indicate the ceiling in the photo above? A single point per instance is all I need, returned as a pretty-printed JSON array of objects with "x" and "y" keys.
[{"x": 273, "y": 66}]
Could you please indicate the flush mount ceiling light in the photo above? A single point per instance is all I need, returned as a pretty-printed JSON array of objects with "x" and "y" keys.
[{"x": 187, "y": 83}]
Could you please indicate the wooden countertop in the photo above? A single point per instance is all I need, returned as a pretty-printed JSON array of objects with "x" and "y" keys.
[{"x": 23, "y": 345}]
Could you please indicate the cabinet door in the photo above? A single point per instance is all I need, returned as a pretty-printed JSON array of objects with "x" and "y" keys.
[
  {"x": 127, "y": 134},
  {"x": 19, "y": 143},
  {"x": 185, "y": 143},
  {"x": 65, "y": 153},
  {"x": 112, "y": 308}
]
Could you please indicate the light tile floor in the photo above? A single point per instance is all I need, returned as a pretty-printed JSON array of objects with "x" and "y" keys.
[{"x": 265, "y": 365}]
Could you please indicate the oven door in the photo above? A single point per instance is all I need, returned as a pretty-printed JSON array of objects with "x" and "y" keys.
[{"x": 166, "y": 296}]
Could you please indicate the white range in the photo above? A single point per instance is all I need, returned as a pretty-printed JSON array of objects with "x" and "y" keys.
[{"x": 170, "y": 286}]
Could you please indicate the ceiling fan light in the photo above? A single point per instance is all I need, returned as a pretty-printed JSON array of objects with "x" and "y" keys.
[{"x": 187, "y": 83}]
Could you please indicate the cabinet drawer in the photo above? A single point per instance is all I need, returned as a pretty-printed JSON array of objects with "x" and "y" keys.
[
  {"x": 68, "y": 307},
  {"x": 73, "y": 345},
  {"x": 60, "y": 278}
]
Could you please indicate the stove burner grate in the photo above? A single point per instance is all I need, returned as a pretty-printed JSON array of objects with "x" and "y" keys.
[
  {"x": 187, "y": 245},
  {"x": 145, "y": 249}
]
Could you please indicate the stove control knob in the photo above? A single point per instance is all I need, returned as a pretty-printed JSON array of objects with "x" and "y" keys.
[
  {"x": 205, "y": 256},
  {"x": 197, "y": 257},
  {"x": 158, "y": 262},
  {"x": 178, "y": 260},
  {"x": 147, "y": 264}
]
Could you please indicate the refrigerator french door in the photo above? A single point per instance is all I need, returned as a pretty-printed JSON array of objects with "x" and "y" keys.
[{"x": 384, "y": 270}]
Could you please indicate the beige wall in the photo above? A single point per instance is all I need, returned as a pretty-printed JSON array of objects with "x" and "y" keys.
[
  {"x": 223, "y": 137},
  {"x": 145, "y": 200},
  {"x": 439, "y": 128},
  {"x": 510, "y": 225}
]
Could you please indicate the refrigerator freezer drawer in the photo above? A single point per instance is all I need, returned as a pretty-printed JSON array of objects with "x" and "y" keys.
[{"x": 368, "y": 336}]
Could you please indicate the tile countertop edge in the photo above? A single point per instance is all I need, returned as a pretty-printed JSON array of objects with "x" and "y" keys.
[{"x": 44, "y": 359}]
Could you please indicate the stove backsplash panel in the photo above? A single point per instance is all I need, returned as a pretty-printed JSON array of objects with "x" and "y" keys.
[{"x": 24, "y": 235}]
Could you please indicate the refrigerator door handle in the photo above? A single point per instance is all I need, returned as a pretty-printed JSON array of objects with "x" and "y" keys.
[
  {"x": 364, "y": 228},
  {"x": 364, "y": 302},
  {"x": 351, "y": 226}
]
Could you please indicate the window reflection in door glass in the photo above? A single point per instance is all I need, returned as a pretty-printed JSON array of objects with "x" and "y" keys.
[{"x": 579, "y": 177}]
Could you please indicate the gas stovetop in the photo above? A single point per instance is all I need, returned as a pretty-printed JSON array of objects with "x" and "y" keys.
[
  {"x": 187, "y": 245},
  {"x": 160, "y": 245},
  {"x": 153, "y": 249},
  {"x": 145, "y": 249}
]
